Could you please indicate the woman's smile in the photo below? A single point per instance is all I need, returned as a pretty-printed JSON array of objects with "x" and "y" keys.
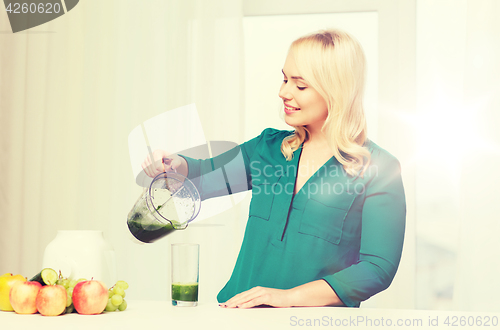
[
  {"x": 289, "y": 109},
  {"x": 311, "y": 110}
]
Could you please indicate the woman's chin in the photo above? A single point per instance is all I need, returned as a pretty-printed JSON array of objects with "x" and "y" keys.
[{"x": 292, "y": 121}]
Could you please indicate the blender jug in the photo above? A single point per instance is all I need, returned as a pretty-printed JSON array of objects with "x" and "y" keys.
[{"x": 169, "y": 204}]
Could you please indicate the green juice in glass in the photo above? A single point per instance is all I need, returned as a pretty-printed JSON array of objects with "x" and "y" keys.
[{"x": 184, "y": 292}]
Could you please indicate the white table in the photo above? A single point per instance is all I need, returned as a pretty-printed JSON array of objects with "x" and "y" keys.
[{"x": 141, "y": 315}]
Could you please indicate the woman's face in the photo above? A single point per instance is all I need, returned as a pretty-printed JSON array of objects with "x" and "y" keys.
[{"x": 304, "y": 106}]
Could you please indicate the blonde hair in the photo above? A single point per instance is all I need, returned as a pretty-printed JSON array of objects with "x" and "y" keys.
[{"x": 333, "y": 63}]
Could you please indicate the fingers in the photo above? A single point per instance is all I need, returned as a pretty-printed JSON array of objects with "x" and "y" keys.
[
  {"x": 162, "y": 161},
  {"x": 240, "y": 298},
  {"x": 254, "y": 302},
  {"x": 152, "y": 169},
  {"x": 176, "y": 162},
  {"x": 259, "y": 296},
  {"x": 246, "y": 299},
  {"x": 172, "y": 163}
]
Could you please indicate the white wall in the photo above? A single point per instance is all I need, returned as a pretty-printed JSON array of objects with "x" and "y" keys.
[
  {"x": 441, "y": 31},
  {"x": 458, "y": 78}
]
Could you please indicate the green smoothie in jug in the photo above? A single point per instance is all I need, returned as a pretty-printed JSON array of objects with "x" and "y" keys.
[
  {"x": 148, "y": 226},
  {"x": 149, "y": 233},
  {"x": 168, "y": 205}
]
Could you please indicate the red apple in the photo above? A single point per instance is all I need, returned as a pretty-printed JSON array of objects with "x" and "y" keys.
[
  {"x": 51, "y": 300},
  {"x": 23, "y": 295},
  {"x": 90, "y": 297}
]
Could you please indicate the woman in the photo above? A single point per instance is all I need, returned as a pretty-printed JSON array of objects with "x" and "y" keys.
[{"x": 327, "y": 216}]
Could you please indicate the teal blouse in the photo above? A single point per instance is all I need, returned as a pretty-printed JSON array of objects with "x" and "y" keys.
[{"x": 345, "y": 230}]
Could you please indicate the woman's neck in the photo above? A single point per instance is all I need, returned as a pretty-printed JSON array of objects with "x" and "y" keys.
[{"x": 316, "y": 139}]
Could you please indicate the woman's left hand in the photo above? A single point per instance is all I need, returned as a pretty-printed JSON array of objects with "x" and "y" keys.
[{"x": 260, "y": 296}]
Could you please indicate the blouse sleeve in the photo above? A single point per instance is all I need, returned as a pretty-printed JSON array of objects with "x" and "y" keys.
[
  {"x": 382, "y": 233},
  {"x": 227, "y": 173}
]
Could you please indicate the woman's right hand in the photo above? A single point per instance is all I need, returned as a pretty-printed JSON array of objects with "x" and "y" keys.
[{"x": 163, "y": 161}]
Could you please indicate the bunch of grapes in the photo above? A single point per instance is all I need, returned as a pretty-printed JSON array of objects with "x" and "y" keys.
[
  {"x": 69, "y": 285},
  {"x": 116, "y": 299}
]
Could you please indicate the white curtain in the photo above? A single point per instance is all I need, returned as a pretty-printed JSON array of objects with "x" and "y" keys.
[{"x": 71, "y": 91}]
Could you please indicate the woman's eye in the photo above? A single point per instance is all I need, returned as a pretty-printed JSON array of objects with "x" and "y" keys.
[
  {"x": 285, "y": 81},
  {"x": 301, "y": 88}
]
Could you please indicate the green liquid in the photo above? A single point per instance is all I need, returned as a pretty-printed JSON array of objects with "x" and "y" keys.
[
  {"x": 149, "y": 234},
  {"x": 185, "y": 292}
]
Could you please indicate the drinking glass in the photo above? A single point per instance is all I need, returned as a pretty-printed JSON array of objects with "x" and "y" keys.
[{"x": 185, "y": 269}]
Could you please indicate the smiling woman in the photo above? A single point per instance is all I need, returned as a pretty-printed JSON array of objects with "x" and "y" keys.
[
  {"x": 303, "y": 106},
  {"x": 333, "y": 65},
  {"x": 336, "y": 237}
]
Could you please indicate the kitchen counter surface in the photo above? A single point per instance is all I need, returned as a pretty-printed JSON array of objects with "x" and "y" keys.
[{"x": 162, "y": 315}]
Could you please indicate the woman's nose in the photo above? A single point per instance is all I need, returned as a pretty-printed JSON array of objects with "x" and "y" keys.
[{"x": 283, "y": 93}]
